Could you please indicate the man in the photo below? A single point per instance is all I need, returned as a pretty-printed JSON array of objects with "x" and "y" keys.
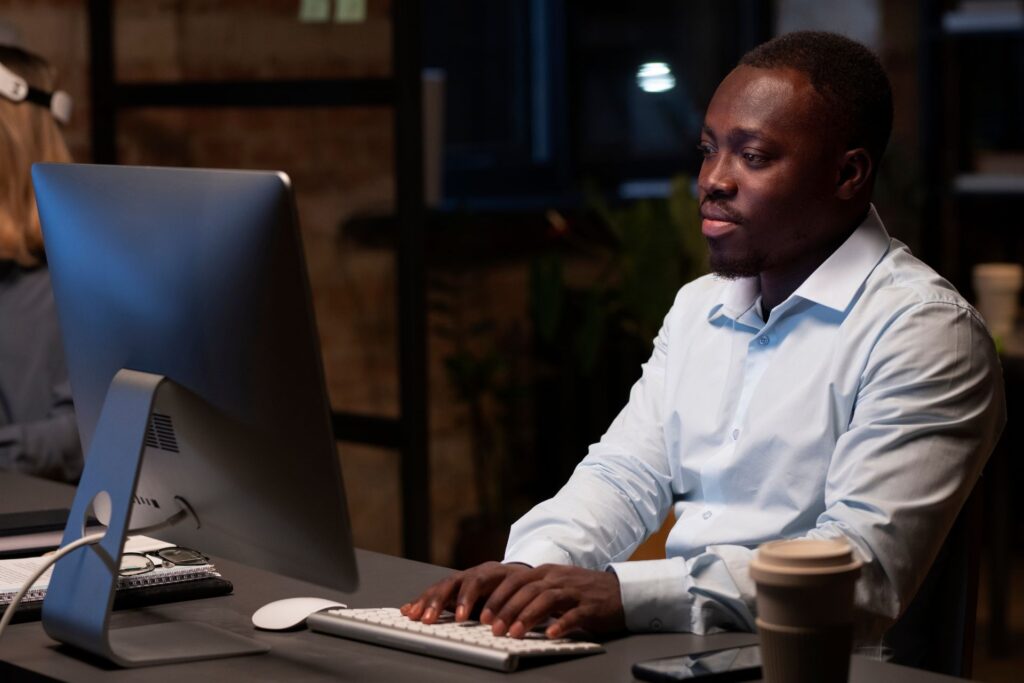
[{"x": 822, "y": 383}]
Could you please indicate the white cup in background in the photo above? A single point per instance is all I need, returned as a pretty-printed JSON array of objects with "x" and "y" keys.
[{"x": 997, "y": 294}]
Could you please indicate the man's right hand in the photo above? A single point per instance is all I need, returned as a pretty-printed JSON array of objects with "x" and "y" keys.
[{"x": 461, "y": 591}]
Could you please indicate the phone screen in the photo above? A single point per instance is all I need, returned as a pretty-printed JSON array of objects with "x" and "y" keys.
[{"x": 734, "y": 664}]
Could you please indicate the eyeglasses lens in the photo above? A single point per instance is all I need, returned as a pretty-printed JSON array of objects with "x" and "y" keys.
[
  {"x": 182, "y": 556},
  {"x": 133, "y": 563}
]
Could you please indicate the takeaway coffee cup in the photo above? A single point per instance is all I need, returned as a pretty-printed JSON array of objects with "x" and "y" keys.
[
  {"x": 996, "y": 289},
  {"x": 805, "y": 609}
]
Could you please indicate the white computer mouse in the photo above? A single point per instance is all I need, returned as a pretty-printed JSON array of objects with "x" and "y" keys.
[{"x": 290, "y": 612}]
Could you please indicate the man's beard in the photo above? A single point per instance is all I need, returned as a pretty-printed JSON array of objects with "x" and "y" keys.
[{"x": 734, "y": 266}]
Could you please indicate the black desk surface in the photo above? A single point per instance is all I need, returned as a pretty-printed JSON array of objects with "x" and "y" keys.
[{"x": 307, "y": 656}]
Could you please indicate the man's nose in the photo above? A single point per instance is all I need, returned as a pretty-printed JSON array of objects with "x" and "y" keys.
[{"x": 716, "y": 178}]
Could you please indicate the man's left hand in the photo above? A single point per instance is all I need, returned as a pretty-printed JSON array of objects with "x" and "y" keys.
[{"x": 581, "y": 599}]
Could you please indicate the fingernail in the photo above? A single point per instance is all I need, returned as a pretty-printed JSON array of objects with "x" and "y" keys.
[
  {"x": 404, "y": 609},
  {"x": 517, "y": 630},
  {"x": 486, "y": 616},
  {"x": 430, "y": 614},
  {"x": 498, "y": 628},
  {"x": 461, "y": 613},
  {"x": 553, "y": 631}
]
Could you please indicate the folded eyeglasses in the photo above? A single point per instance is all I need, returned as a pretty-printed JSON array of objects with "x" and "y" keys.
[{"x": 133, "y": 564}]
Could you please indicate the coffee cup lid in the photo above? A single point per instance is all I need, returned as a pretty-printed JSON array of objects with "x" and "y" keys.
[{"x": 779, "y": 561}]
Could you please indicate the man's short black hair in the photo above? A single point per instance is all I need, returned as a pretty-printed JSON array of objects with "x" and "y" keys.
[{"x": 847, "y": 75}]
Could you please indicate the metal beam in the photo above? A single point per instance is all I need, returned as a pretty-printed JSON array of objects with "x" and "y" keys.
[
  {"x": 367, "y": 429},
  {"x": 101, "y": 82},
  {"x": 412, "y": 343},
  {"x": 311, "y": 93}
]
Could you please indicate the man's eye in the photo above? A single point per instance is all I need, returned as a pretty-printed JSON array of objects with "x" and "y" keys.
[
  {"x": 705, "y": 149},
  {"x": 755, "y": 159}
]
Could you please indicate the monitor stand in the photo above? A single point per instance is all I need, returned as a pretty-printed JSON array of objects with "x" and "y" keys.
[{"x": 78, "y": 602}]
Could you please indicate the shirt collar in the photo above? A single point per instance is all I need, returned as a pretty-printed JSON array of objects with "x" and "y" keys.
[
  {"x": 837, "y": 280},
  {"x": 833, "y": 284},
  {"x": 737, "y": 297}
]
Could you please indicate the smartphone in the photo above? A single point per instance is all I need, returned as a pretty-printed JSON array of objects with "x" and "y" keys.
[{"x": 734, "y": 664}]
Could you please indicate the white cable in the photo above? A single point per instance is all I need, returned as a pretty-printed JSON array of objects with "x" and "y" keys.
[
  {"x": 159, "y": 526},
  {"x": 50, "y": 560}
]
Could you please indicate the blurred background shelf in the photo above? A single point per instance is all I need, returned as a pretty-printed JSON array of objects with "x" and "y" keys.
[
  {"x": 989, "y": 183},
  {"x": 988, "y": 17}
]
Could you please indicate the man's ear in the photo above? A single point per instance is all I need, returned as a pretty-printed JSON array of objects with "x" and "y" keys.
[{"x": 855, "y": 170}]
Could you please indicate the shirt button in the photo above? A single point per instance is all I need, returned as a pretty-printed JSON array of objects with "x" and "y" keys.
[
  {"x": 735, "y": 434},
  {"x": 655, "y": 624},
  {"x": 707, "y": 514},
  {"x": 764, "y": 341}
]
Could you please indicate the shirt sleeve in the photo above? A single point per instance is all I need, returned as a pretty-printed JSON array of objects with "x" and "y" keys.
[
  {"x": 929, "y": 410},
  {"x": 705, "y": 594},
  {"x": 618, "y": 494},
  {"x": 47, "y": 447}
]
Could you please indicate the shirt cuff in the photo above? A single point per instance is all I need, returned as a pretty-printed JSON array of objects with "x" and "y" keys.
[
  {"x": 536, "y": 553},
  {"x": 655, "y": 594}
]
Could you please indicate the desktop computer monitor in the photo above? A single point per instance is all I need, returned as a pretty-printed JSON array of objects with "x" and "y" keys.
[{"x": 194, "y": 361}]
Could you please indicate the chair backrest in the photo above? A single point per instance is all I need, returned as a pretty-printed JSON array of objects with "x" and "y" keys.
[{"x": 937, "y": 630}]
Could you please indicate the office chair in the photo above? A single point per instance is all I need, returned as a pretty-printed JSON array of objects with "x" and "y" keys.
[{"x": 936, "y": 632}]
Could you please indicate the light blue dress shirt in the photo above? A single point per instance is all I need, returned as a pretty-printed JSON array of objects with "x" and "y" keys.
[{"x": 865, "y": 407}]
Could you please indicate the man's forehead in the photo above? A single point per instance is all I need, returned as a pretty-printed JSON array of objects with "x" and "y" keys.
[{"x": 756, "y": 99}]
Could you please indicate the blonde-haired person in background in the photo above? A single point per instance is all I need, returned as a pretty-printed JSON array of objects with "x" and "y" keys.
[{"x": 38, "y": 432}]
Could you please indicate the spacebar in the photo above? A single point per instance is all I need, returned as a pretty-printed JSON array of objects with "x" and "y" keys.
[{"x": 413, "y": 642}]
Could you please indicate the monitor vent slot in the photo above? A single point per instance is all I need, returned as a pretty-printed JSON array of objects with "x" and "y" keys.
[{"x": 161, "y": 433}]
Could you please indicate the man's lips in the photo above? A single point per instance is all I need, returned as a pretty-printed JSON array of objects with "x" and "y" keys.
[{"x": 716, "y": 222}]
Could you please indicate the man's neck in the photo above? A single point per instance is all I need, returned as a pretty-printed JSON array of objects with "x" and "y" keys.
[{"x": 778, "y": 284}]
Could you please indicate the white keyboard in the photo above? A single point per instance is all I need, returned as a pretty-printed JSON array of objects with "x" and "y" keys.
[{"x": 469, "y": 642}]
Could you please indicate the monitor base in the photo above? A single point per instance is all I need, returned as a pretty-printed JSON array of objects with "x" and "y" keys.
[{"x": 175, "y": 642}]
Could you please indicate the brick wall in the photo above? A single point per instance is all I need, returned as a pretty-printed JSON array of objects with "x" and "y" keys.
[{"x": 340, "y": 161}]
